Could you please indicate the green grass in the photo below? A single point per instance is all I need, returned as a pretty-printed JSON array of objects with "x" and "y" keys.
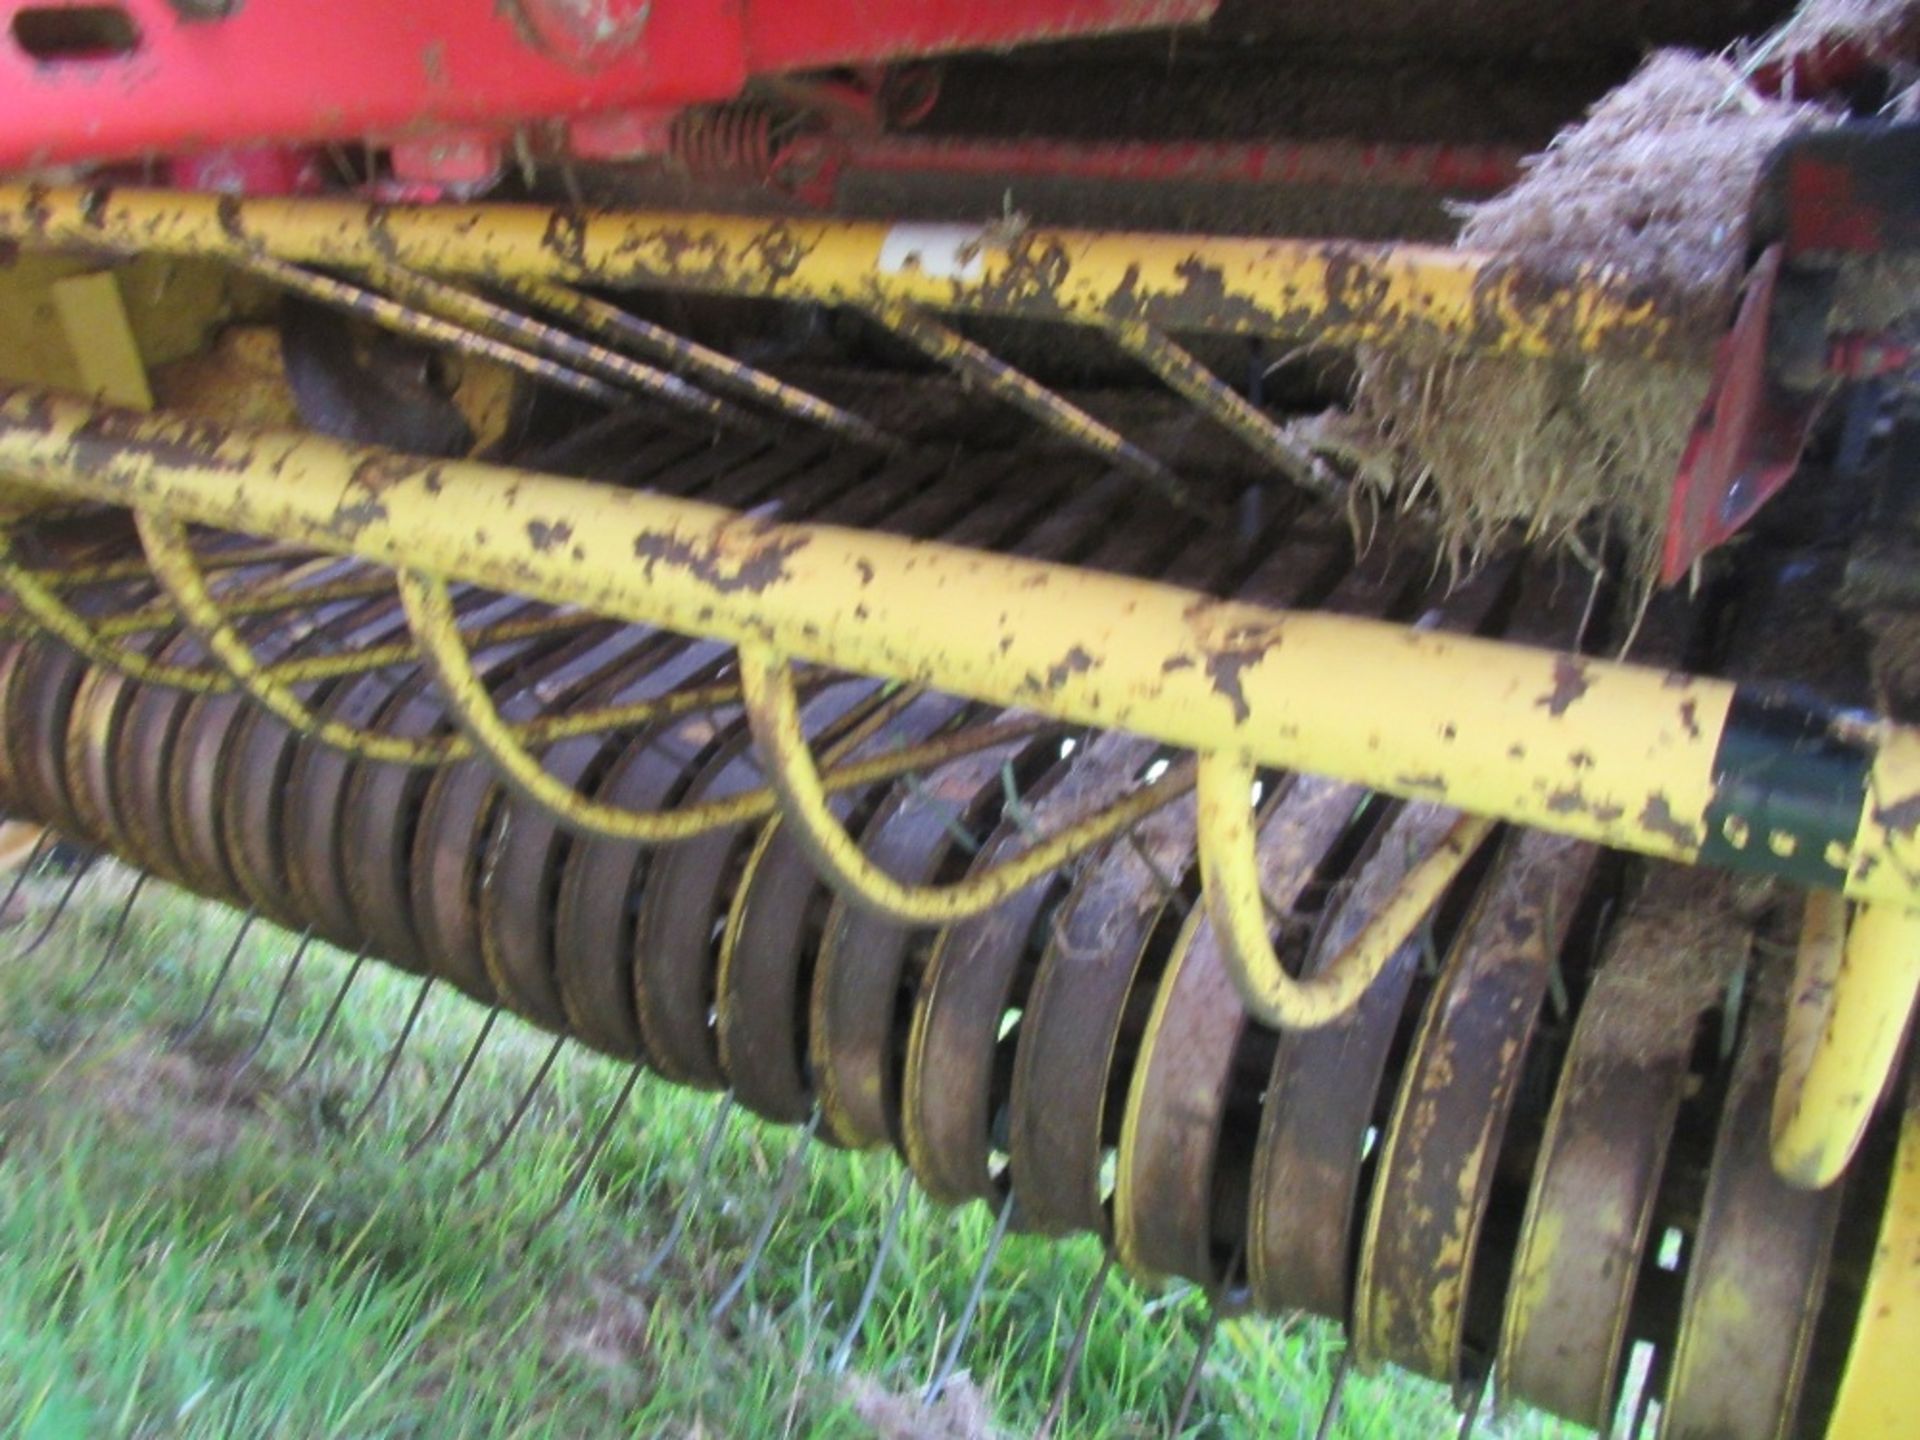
[{"x": 189, "y": 1251}]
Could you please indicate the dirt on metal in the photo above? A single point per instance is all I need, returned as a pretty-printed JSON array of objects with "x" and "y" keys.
[{"x": 1653, "y": 189}]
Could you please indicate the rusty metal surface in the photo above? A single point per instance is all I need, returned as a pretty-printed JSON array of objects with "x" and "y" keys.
[
  {"x": 1757, "y": 1262},
  {"x": 1440, "y": 1151},
  {"x": 1585, "y": 1236},
  {"x": 1171, "y": 1140},
  {"x": 967, "y": 1017},
  {"x": 1403, "y": 296},
  {"x": 1322, "y": 1095}
]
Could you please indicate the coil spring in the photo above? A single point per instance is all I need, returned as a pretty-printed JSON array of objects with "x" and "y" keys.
[{"x": 741, "y": 141}]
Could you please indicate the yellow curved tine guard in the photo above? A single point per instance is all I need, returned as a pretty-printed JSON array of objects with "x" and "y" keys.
[
  {"x": 1853, "y": 993},
  {"x": 1681, "y": 767}
]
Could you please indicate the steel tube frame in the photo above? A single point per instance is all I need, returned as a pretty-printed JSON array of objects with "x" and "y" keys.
[
  {"x": 1646, "y": 760},
  {"x": 1398, "y": 296}
]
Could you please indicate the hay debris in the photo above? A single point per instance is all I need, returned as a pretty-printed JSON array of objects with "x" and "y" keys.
[
  {"x": 1654, "y": 189},
  {"x": 1874, "y": 25}
]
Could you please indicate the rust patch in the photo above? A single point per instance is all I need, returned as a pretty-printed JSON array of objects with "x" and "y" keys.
[
  {"x": 1658, "y": 816},
  {"x": 759, "y": 568},
  {"x": 544, "y": 536},
  {"x": 37, "y": 208},
  {"x": 1075, "y": 662},
  {"x": 187, "y": 444},
  {"x": 1570, "y": 682},
  {"x": 566, "y": 237},
  {"x": 1690, "y": 717},
  {"x": 350, "y": 519},
  {"x": 1573, "y": 801},
  {"x": 1902, "y": 815},
  {"x": 232, "y": 215},
  {"x": 1239, "y": 648},
  {"x": 380, "y": 472}
]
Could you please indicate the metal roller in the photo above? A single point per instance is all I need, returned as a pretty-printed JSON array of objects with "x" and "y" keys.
[{"x": 1512, "y": 1151}]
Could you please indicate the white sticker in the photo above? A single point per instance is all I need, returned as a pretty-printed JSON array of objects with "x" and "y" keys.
[{"x": 944, "y": 252}]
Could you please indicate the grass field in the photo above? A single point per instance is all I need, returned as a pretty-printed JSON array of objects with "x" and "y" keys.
[{"x": 193, "y": 1247}]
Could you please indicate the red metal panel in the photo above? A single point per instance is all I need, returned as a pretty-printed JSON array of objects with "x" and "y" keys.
[
  {"x": 1747, "y": 441},
  {"x": 811, "y": 34},
  {"x": 312, "y": 70},
  {"x": 330, "y": 69}
]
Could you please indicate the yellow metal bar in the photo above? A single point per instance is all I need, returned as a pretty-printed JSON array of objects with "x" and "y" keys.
[
  {"x": 775, "y": 711},
  {"x": 1205, "y": 391},
  {"x": 1620, "y": 754},
  {"x": 431, "y": 615},
  {"x": 1853, "y": 990},
  {"x": 1387, "y": 295},
  {"x": 1880, "y": 1388},
  {"x": 980, "y": 367},
  {"x": 44, "y": 607},
  {"x": 1230, "y": 883},
  {"x": 418, "y": 325},
  {"x": 458, "y": 307},
  {"x": 615, "y": 326},
  {"x": 178, "y": 570}
]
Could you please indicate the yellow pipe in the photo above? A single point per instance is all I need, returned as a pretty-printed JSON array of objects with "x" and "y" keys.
[
  {"x": 980, "y": 368},
  {"x": 430, "y": 613},
  {"x": 178, "y": 570},
  {"x": 775, "y": 711},
  {"x": 1388, "y": 295},
  {"x": 1230, "y": 883},
  {"x": 1618, "y": 754},
  {"x": 1880, "y": 1388},
  {"x": 1849, "y": 1009},
  {"x": 614, "y": 326}
]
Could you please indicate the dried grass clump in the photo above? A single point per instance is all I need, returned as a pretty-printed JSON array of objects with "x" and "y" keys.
[
  {"x": 1872, "y": 24},
  {"x": 1653, "y": 189}
]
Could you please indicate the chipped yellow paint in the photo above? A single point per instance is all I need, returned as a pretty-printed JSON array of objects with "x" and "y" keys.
[
  {"x": 1618, "y": 754},
  {"x": 1880, "y": 1388},
  {"x": 1349, "y": 293},
  {"x": 1230, "y": 875},
  {"x": 1853, "y": 989}
]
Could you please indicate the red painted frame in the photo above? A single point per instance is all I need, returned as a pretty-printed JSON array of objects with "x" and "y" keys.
[{"x": 298, "y": 71}]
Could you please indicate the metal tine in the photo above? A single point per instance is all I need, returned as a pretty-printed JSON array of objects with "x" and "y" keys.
[
  {"x": 280, "y": 993},
  {"x": 519, "y": 1113},
  {"x": 584, "y": 1166},
  {"x": 1191, "y": 1390},
  {"x": 326, "y": 1021},
  {"x": 80, "y": 873},
  {"x": 1476, "y": 1402},
  {"x": 1341, "y": 1369},
  {"x": 703, "y": 1166},
  {"x": 1223, "y": 1302},
  {"x": 971, "y": 1309},
  {"x": 440, "y": 1116},
  {"x": 843, "y": 1352},
  {"x": 1076, "y": 1352},
  {"x": 113, "y": 940},
  {"x": 194, "y": 1026},
  {"x": 1650, "y": 1388},
  {"x": 394, "y": 1052},
  {"x": 776, "y": 1209},
  {"x": 42, "y": 845}
]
